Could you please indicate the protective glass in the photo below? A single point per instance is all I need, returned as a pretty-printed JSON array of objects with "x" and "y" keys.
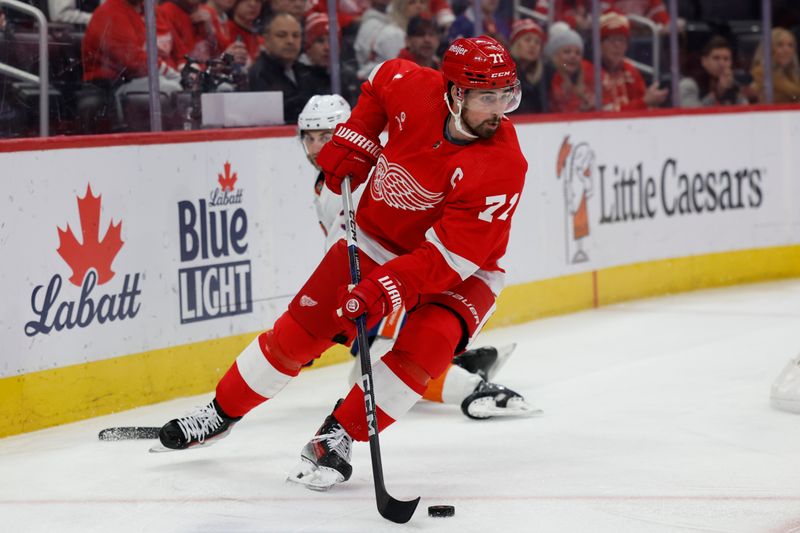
[{"x": 503, "y": 100}]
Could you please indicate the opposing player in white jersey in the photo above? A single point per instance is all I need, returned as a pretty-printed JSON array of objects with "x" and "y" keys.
[
  {"x": 468, "y": 381},
  {"x": 433, "y": 224}
]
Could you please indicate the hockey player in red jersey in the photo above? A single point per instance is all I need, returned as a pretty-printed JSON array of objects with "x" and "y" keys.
[
  {"x": 433, "y": 222},
  {"x": 468, "y": 381}
]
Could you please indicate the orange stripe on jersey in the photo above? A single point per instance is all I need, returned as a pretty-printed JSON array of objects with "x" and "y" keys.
[
  {"x": 434, "y": 391},
  {"x": 391, "y": 323}
]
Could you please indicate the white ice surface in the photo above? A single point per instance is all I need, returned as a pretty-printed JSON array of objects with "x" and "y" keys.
[{"x": 657, "y": 419}]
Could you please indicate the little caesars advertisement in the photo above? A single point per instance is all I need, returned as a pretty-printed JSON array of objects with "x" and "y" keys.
[{"x": 604, "y": 193}]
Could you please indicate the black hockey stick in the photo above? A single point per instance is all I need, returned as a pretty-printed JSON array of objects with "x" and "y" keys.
[
  {"x": 129, "y": 433},
  {"x": 395, "y": 510}
]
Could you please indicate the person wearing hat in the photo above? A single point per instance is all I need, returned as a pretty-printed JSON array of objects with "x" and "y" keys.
[
  {"x": 317, "y": 49},
  {"x": 623, "y": 85},
  {"x": 421, "y": 42},
  {"x": 571, "y": 87},
  {"x": 527, "y": 41}
]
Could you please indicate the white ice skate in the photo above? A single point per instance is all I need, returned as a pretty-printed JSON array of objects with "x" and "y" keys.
[
  {"x": 325, "y": 460},
  {"x": 492, "y": 400}
]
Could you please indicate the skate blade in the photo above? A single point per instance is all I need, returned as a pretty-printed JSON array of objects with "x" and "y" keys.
[
  {"x": 487, "y": 408},
  {"x": 313, "y": 477},
  {"x": 503, "y": 354}
]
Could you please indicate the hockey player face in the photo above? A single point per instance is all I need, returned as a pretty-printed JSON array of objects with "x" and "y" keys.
[
  {"x": 313, "y": 141},
  {"x": 483, "y": 108}
]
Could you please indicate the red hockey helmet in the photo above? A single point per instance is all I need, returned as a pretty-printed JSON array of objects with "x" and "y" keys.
[{"x": 479, "y": 63}]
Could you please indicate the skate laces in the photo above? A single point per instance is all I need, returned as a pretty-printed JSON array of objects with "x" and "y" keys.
[
  {"x": 336, "y": 440},
  {"x": 200, "y": 422}
]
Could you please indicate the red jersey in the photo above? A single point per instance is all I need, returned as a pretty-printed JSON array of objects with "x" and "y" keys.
[
  {"x": 567, "y": 10},
  {"x": 444, "y": 208},
  {"x": 188, "y": 38},
  {"x": 655, "y": 10},
  {"x": 113, "y": 46},
  {"x": 566, "y": 97},
  {"x": 252, "y": 41},
  {"x": 624, "y": 89},
  {"x": 221, "y": 35}
]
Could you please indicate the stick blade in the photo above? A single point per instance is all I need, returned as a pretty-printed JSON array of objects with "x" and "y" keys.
[
  {"x": 397, "y": 511},
  {"x": 129, "y": 433}
]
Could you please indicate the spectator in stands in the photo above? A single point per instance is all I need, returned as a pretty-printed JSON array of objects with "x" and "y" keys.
[
  {"x": 317, "y": 49},
  {"x": 347, "y": 11},
  {"x": 623, "y": 85},
  {"x": 571, "y": 87},
  {"x": 576, "y": 13},
  {"x": 67, "y": 11},
  {"x": 241, "y": 27},
  {"x": 785, "y": 69},
  {"x": 189, "y": 31},
  {"x": 464, "y": 23},
  {"x": 2, "y": 21},
  {"x": 373, "y": 23},
  {"x": 421, "y": 42},
  {"x": 527, "y": 39},
  {"x": 218, "y": 15},
  {"x": 382, "y": 33},
  {"x": 714, "y": 83},
  {"x": 442, "y": 14},
  {"x": 113, "y": 52},
  {"x": 278, "y": 69},
  {"x": 654, "y": 10}
]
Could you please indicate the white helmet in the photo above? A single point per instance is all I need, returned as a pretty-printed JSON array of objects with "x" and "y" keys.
[{"x": 323, "y": 112}]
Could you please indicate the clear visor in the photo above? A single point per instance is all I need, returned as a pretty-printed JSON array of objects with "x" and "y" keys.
[{"x": 499, "y": 101}]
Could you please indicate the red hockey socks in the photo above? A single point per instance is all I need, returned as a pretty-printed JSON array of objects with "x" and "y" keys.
[{"x": 266, "y": 366}]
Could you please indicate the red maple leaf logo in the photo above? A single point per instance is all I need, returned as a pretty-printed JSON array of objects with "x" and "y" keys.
[
  {"x": 92, "y": 253},
  {"x": 227, "y": 181}
]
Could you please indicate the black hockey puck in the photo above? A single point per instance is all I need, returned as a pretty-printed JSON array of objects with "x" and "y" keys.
[{"x": 441, "y": 511}]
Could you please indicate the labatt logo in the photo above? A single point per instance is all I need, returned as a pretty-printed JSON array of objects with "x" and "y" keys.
[
  {"x": 212, "y": 233},
  {"x": 90, "y": 260}
]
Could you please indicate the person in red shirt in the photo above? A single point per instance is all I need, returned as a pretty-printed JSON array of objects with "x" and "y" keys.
[
  {"x": 578, "y": 13},
  {"x": 241, "y": 27},
  {"x": 655, "y": 10},
  {"x": 190, "y": 31},
  {"x": 113, "y": 51},
  {"x": 623, "y": 85},
  {"x": 571, "y": 76},
  {"x": 193, "y": 33},
  {"x": 218, "y": 15},
  {"x": 573, "y": 12},
  {"x": 432, "y": 224}
]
